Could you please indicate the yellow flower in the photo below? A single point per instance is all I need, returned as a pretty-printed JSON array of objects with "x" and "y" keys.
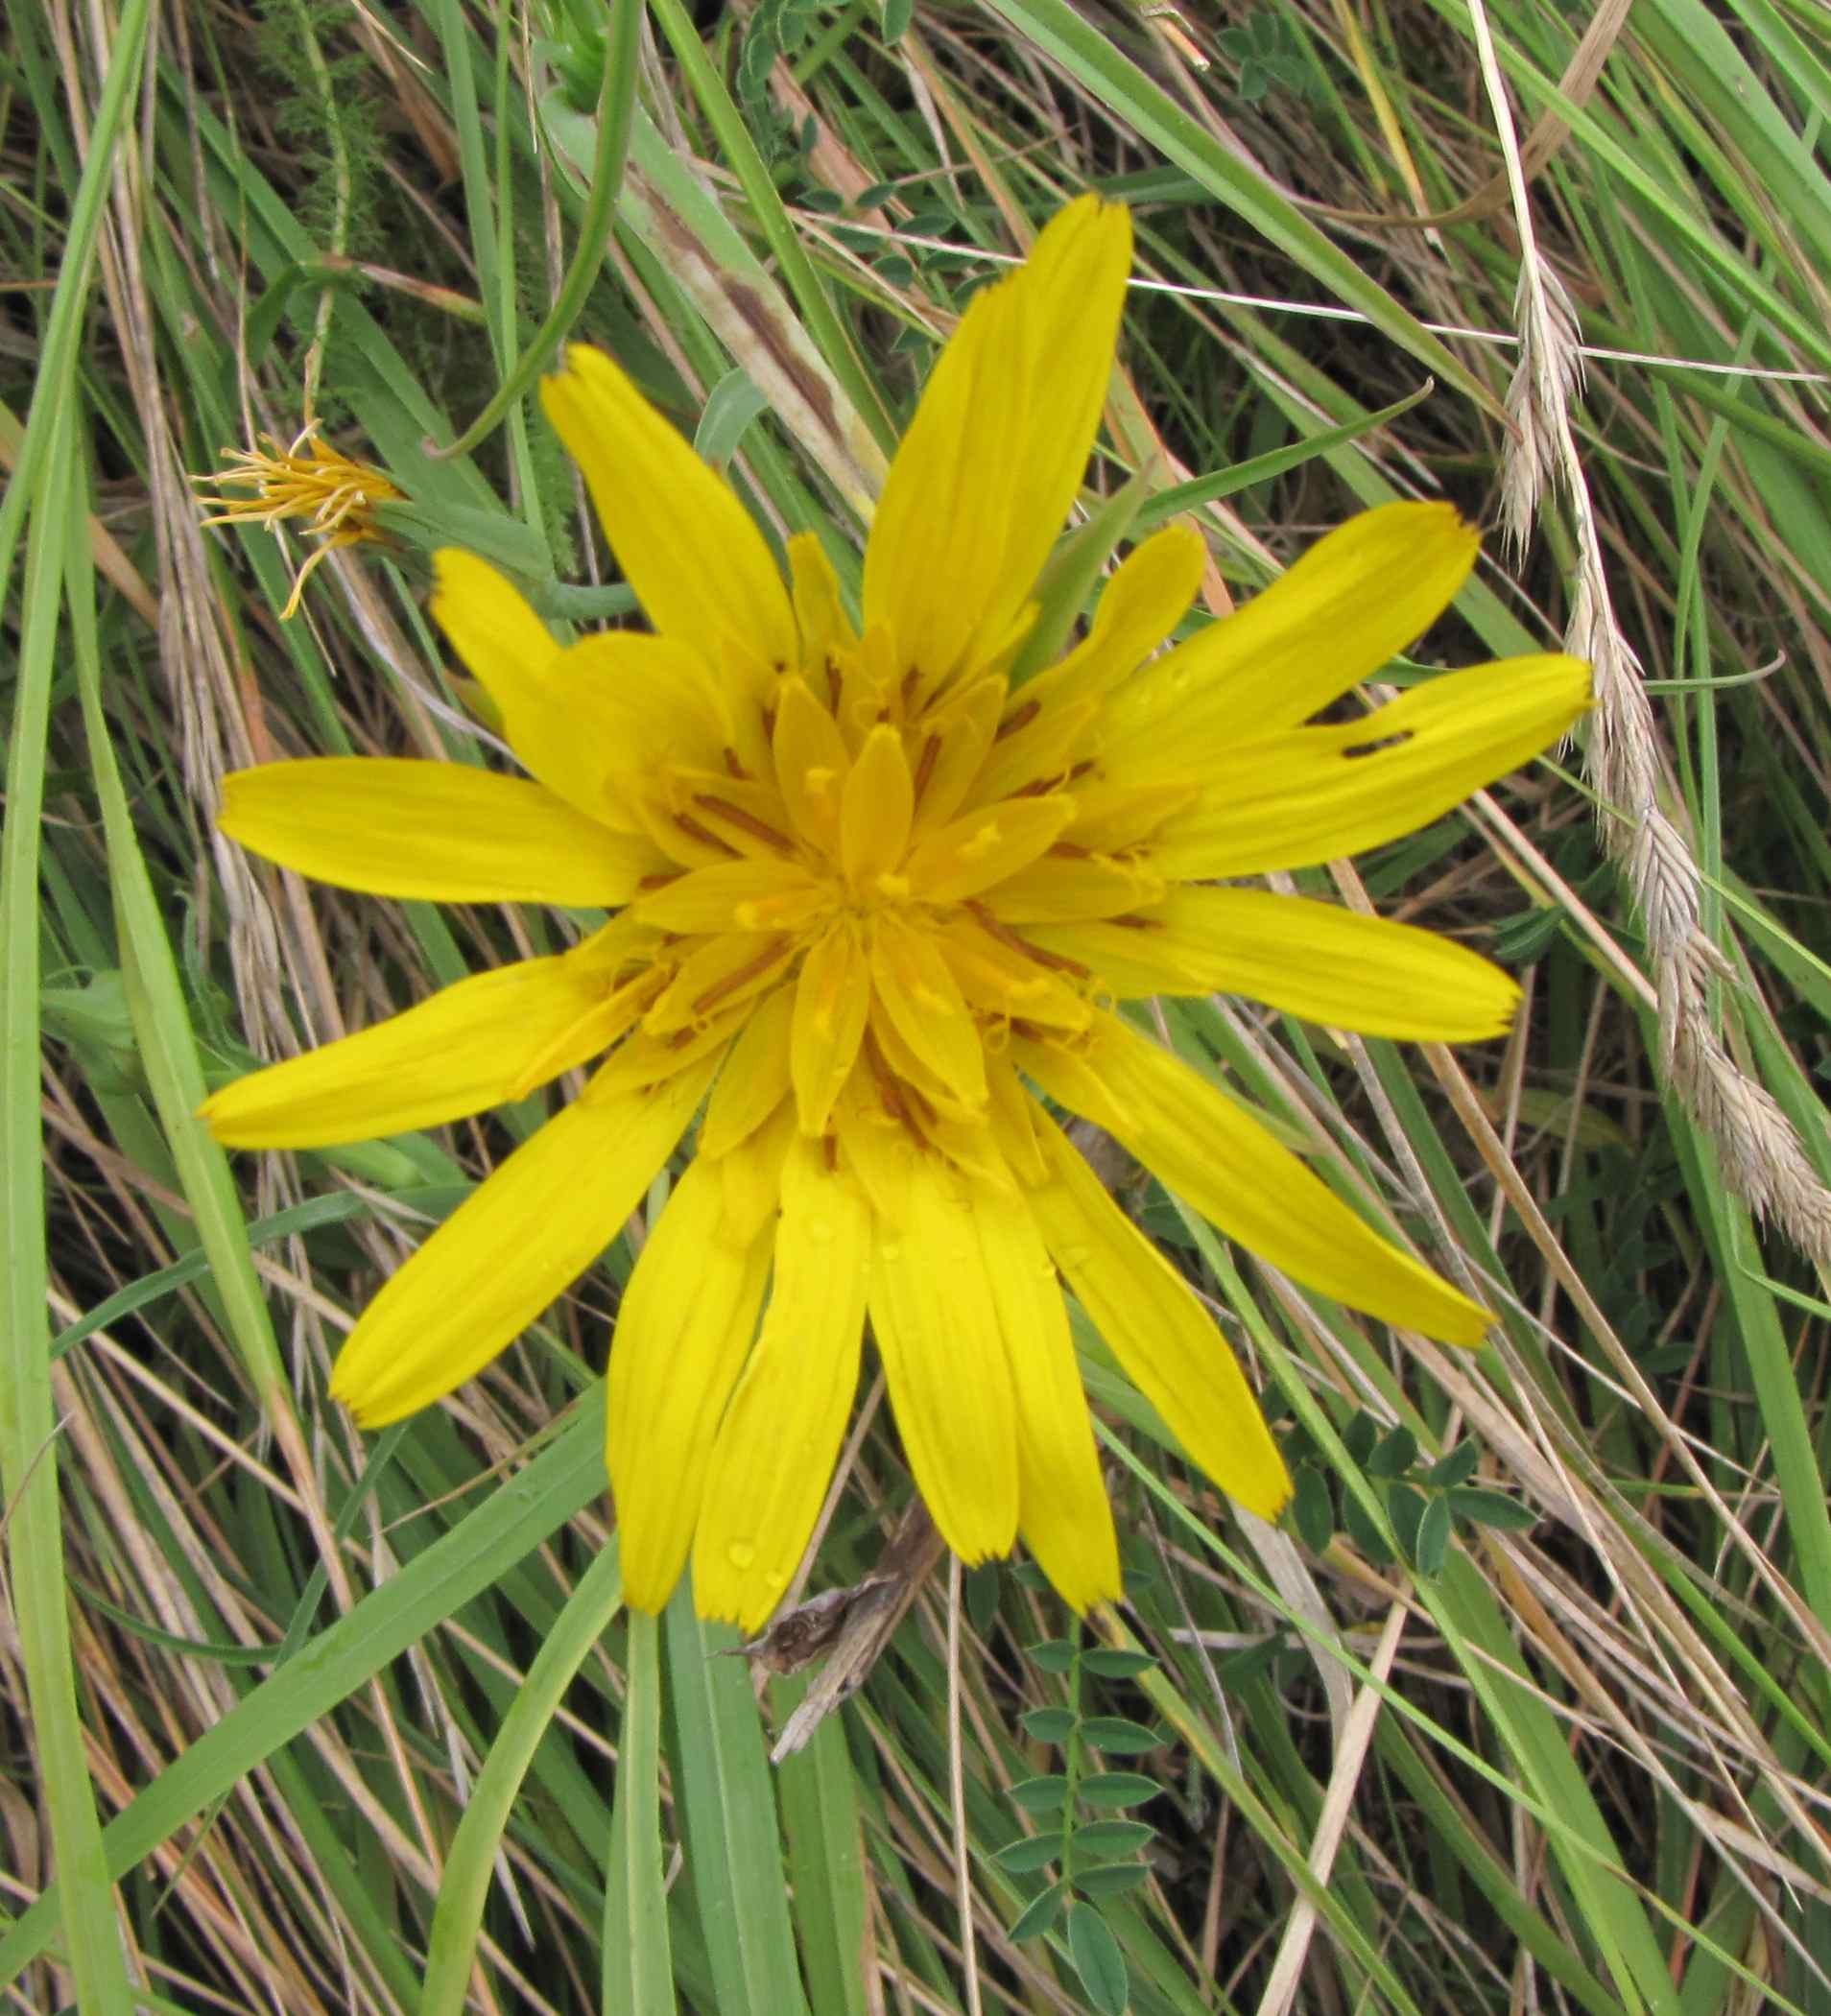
[
  {"x": 870, "y": 901},
  {"x": 310, "y": 479}
]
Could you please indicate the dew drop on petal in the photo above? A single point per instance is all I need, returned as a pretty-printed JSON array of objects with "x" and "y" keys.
[
  {"x": 892, "y": 1251},
  {"x": 740, "y": 1553}
]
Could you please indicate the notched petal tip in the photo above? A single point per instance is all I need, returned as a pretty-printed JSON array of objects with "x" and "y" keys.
[
  {"x": 347, "y": 1391},
  {"x": 1468, "y": 1326}
]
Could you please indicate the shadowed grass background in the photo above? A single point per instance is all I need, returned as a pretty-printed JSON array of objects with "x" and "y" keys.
[{"x": 1526, "y": 1706}]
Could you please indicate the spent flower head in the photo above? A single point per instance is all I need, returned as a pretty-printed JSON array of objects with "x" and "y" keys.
[
  {"x": 875, "y": 911},
  {"x": 310, "y": 479}
]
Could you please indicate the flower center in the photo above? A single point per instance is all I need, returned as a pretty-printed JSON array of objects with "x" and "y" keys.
[{"x": 877, "y": 856}]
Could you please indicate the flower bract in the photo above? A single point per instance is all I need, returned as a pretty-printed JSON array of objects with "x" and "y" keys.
[{"x": 874, "y": 909}]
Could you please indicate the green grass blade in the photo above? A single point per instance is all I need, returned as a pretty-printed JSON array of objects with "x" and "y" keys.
[
  {"x": 638, "y": 1965},
  {"x": 822, "y": 1819},
  {"x": 435, "y": 1585},
  {"x": 46, "y": 482},
  {"x": 733, "y": 1848},
  {"x": 451, "y": 1952},
  {"x": 29, "y": 1457}
]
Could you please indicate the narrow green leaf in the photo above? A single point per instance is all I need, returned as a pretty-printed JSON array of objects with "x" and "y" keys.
[
  {"x": 616, "y": 107},
  {"x": 510, "y": 1523},
  {"x": 728, "y": 1803},
  {"x": 820, "y": 1817},
  {"x": 29, "y": 1435},
  {"x": 451, "y": 1950},
  {"x": 638, "y": 1965},
  {"x": 1261, "y": 468},
  {"x": 730, "y": 406}
]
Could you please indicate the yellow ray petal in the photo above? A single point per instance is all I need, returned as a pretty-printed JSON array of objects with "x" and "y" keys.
[
  {"x": 820, "y": 611},
  {"x": 782, "y": 1434},
  {"x": 1062, "y": 1069},
  {"x": 1063, "y": 1513},
  {"x": 920, "y": 994},
  {"x": 491, "y": 624},
  {"x": 876, "y": 1146},
  {"x": 1064, "y": 887},
  {"x": 608, "y": 1021},
  {"x": 904, "y": 1070},
  {"x": 519, "y": 1239},
  {"x": 1313, "y": 960},
  {"x": 1035, "y": 750},
  {"x": 955, "y": 739},
  {"x": 936, "y": 1320},
  {"x": 1293, "y": 801},
  {"x": 1158, "y": 1332},
  {"x": 1113, "y": 818},
  {"x": 762, "y": 893},
  {"x": 1013, "y": 1114},
  {"x": 998, "y": 446},
  {"x": 682, "y": 1333},
  {"x": 700, "y": 567},
  {"x": 875, "y": 811},
  {"x": 1332, "y": 620},
  {"x": 751, "y": 1172},
  {"x": 1224, "y": 1163},
  {"x": 736, "y": 812},
  {"x": 970, "y": 854},
  {"x": 645, "y": 1060},
  {"x": 832, "y": 999},
  {"x": 509, "y": 651},
  {"x": 588, "y": 720},
  {"x": 997, "y": 974},
  {"x": 395, "y": 827},
  {"x": 626, "y": 703},
  {"x": 461, "y": 1051},
  {"x": 1148, "y": 594},
  {"x": 718, "y": 975},
  {"x": 811, "y": 763},
  {"x": 756, "y": 1077}
]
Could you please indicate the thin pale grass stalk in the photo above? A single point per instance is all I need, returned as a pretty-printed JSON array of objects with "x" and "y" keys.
[
  {"x": 1350, "y": 1761},
  {"x": 1763, "y": 1161}
]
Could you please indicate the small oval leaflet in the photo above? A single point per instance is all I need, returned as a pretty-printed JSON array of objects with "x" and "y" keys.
[{"x": 1098, "y": 1960}]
